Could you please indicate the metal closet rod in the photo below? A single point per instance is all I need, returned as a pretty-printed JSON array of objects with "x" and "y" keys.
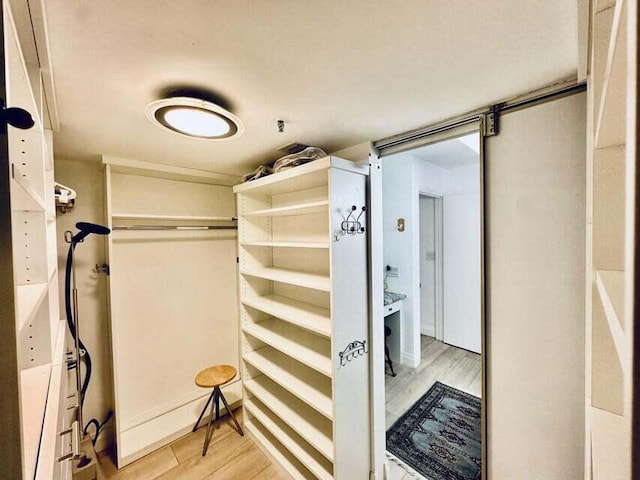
[{"x": 174, "y": 227}]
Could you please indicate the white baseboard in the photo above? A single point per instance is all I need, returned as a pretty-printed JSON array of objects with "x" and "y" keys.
[
  {"x": 428, "y": 330},
  {"x": 410, "y": 359}
]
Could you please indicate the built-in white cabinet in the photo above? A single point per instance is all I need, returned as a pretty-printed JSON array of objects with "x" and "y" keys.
[
  {"x": 32, "y": 360},
  {"x": 173, "y": 302},
  {"x": 304, "y": 317},
  {"x": 610, "y": 241}
]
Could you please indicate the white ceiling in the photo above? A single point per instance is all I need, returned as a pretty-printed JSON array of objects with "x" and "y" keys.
[
  {"x": 450, "y": 153},
  {"x": 341, "y": 72}
]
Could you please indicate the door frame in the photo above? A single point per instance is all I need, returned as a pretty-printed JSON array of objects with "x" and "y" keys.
[
  {"x": 439, "y": 259},
  {"x": 376, "y": 283}
]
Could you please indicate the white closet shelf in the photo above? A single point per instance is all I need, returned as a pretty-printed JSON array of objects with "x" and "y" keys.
[
  {"x": 167, "y": 172},
  {"x": 611, "y": 114},
  {"x": 28, "y": 299},
  {"x": 602, "y": 4},
  {"x": 288, "y": 439},
  {"x": 279, "y": 244},
  {"x": 610, "y": 286},
  {"x": 292, "y": 277},
  {"x": 304, "y": 315},
  {"x": 608, "y": 435},
  {"x": 187, "y": 218},
  {"x": 296, "y": 343},
  {"x": 321, "y": 206},
  {"x": 34, "y": 385},
  {"x": 279, "y": 452},
  {"x": 37, "y": 203},
  {"x": 304, "y": 177},
  {"x": 311, "y": 387}
]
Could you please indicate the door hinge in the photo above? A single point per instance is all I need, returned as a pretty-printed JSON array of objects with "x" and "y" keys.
[{"x": 492, "y": 121}]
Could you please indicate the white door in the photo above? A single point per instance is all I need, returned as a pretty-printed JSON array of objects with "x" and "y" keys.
[
  {"x": 535, "y": 233},
  {"x": 427, "y": 266},
  {"x": 462, "y": 273}
]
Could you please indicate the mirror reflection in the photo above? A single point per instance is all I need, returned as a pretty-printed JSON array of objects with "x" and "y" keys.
[{"x": 433, "y": 316}]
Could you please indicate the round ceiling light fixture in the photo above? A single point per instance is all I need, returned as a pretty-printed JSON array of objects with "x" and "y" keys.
[{"x": 194, "y": 118}]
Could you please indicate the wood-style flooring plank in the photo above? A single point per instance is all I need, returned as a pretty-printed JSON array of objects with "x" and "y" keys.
[
  {"x": 196, "y": 467},
  {"x": 230, "y": 456},
  {"x": 253, "y": 463},
  {"x": 452, "y": 366},
  {"x": 191, "y": 444},
  {"x": 149, "y": 467},
  {"x": 272, "y": 472}
]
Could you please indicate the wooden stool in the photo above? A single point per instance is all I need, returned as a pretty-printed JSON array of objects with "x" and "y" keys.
[{"x": 214, "y": 377}]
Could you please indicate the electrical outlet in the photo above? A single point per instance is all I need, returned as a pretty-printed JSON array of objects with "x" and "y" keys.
[{"x": 392, "y": 272}]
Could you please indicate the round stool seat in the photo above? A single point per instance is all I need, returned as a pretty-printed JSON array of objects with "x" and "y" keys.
[{"x": 215, "y": 376}]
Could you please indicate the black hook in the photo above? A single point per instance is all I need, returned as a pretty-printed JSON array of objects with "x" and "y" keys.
[{"x": 17, "y": 117}]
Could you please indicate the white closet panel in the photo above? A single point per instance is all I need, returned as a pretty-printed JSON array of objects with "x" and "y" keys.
[
  {"x": 32, "y": 342},
  {"x": 173, "y": 299}
]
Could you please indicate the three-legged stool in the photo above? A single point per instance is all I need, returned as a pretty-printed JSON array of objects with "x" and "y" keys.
[{"x": 214, "y": 377}]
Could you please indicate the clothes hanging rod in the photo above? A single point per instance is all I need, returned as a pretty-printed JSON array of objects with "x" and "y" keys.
[
  {"x": 169, "y": 218},
  {"x": 174, "y": 227}
]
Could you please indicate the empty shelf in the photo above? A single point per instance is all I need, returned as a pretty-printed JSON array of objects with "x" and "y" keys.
[
  {"x": 309, "y": 424},
  {"x": 34, "y": 385},
  {"x": 299, "y": 209},
  {"x": 279, "y": 452},
  {"x": 610, "y": 445},
  {"x": 293, "y": 277},
  {"x": 304, "y": 315},
  {"x": 26, "y": 198},
  {"x": 308, "y": 348},
  {"x": 286, "y": 244},
  {"x": 308, "y": 385},
  {"x": 28, "y": 299},
  {"x": 303, "y": 177},
  {"x": 611, "y": 118},
  {"x": 610, "y": 286}
]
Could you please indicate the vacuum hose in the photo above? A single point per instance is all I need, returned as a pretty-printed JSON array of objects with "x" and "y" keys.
[{"x": 85, "y": 230}]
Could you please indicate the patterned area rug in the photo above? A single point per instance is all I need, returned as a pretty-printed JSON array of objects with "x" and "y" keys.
[{"x": 439, "y": 436}]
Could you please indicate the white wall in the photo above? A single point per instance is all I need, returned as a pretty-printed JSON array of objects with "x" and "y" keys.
[
  {"x": 427, "y": 266},
  {"x": 87, "y": 180},
  {"x": 462, "y": 255},
  {"x": 404, "y": 177},
  {"x": 397, "y": 178}
]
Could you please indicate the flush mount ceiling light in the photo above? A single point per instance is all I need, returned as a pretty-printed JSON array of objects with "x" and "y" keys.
[{"x": 194, "y": 118}]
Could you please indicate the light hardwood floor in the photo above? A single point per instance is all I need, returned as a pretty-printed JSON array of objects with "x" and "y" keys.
[
  {"x": 453, "y": 366},
  {"x": 230, "y": 457},
  {"x": 440, "y": 362}
]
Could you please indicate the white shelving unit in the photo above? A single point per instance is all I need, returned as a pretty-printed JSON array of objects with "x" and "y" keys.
[
  {"x": 33, "y": 357},
  {"x": 304, "y": 322},
  {"x": 611, "y": 237}
]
